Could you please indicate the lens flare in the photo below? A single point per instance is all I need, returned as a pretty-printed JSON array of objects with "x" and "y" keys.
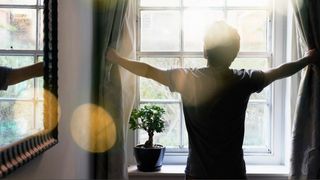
[
  {"x": 93, "y": 129},
  {"x": 45, "y": 108},
  {"x": 52, "y": 110}
]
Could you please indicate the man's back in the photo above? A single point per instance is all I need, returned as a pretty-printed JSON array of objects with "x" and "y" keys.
[{"x": 214, "y": 107}]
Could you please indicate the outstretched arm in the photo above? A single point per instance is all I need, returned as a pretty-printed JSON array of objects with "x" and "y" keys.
[
  {"x": 138, "y": 68},
  {"x": 288, "y": 69},
  {"x": 21, "y": 74}
]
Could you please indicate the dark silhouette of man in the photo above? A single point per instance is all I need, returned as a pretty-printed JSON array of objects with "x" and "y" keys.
[{"x": 215, "y": 99}]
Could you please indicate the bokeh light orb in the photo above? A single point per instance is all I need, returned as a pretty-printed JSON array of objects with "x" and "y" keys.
[{"x": 93, "y": 129}]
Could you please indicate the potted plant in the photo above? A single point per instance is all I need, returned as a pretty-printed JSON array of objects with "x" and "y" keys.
[{"x": 149, "y": 156}]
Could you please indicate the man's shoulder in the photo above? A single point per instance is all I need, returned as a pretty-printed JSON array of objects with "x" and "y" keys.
[
  {"x": 251, "y": 78},
  {"x": 247, "y": 73}
]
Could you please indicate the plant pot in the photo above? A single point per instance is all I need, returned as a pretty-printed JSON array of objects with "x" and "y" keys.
[{"x": 149, "y": 159}]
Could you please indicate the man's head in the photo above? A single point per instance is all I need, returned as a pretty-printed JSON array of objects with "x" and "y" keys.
[{"x": 221, "y": 44}]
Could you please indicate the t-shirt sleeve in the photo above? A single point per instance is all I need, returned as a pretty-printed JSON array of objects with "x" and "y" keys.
[
  {"x": 257, "y": 80},
  {"x": 177, "y": 79},
  {"x": 4, "y": 71}
]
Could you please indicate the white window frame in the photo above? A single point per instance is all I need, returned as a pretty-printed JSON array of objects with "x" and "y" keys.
[
  {"x": 36, "y": 54},
  {"x": 278, "y": 155}
]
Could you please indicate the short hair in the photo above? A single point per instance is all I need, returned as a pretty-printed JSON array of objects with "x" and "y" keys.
[{"x": 222, "y": 44}]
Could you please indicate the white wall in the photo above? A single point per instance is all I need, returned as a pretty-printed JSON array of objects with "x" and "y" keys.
[{"x": 66, "y": 160}]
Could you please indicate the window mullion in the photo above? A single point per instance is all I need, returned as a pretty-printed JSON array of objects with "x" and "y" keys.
[
  {"x": 181, "y": 125},
  {"x": 259, "y": 101},
  {"x": 181, "y": 64},
  {"x": 13, "y": 6},
  {"x": 160, "y": 101},
  {"x": 37, "y": 28},
  {"x": 200, "y": 54},
  {"x": 255, "y": 54},
  {"x": 20, "y": 52},
  {"x": 35, "y": 85},
  {"x": 138, "y": 22},
  {"x": 181, "y": 28},
  {"x": 225, "y": 10},
  {"x": 16, "y": 99}
]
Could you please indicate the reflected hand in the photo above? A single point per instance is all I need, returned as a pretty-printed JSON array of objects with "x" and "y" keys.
[{"x": 112, "y": 56}]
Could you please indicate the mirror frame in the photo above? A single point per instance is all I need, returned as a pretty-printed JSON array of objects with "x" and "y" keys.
[{"x": 22, "y": 151}]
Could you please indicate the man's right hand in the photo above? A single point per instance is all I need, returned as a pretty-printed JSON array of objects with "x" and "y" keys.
[{"x": 314, "y": 57}]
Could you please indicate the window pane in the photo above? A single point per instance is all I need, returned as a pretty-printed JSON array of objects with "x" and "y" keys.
[
  {"x": 40, "y": 35},
  {"x": 39, "y": 88},
  {"x": 160, "y": 31},
  {"x": 23, "y": 89},
  {"x": 16, "y": 120},
  {"x": 247, "y": 2},
  {"x": 257, "y": 125},
  {"x": 263, "y": 95},
  {"x": 171, "y": 136},
  {"x": 195, "y": 24},
  {"x": 17, "y": 28},
  {"x": 39, "y": 116},
  {"x": 252, "y": 27},
  {"x": 157, "y": 3},
  {"x": 250, "y": 63},
  {"x": 162, "y": 63},
  {"x": 150, "y": 89},
  {"x": 204, "y": 3},
  {"x": 194, "y": 62},
  {"x": 19, "y": 2},
  {"x": 40, "y": 59}
]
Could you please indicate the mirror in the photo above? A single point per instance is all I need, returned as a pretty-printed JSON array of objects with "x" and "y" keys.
[{"x": 28, "y": 81}]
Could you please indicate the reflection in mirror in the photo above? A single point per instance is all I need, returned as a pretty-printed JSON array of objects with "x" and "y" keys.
[
  {"x": 21, "y": 102},
  {"x": 28, "y": 60}
]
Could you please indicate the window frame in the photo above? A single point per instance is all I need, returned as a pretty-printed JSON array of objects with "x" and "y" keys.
[{"x": 276, "y": 47}]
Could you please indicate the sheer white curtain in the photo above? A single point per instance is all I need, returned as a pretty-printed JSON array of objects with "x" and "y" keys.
[
  {"x": 113, "y": 88},
  {"x": 127, "y": 48}
]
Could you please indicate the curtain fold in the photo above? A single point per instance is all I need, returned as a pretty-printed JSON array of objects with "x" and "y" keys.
[
  {"x": 305, "y": 160},
  {"x": 113, "y": 88}
]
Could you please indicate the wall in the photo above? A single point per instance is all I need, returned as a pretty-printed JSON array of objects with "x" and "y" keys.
[{"x": 66, "y": 160}]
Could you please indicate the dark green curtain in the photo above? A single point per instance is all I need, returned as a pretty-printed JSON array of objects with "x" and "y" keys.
[
  {"x": 305, "y": 160},
  {"x": 108, "y": 22}
]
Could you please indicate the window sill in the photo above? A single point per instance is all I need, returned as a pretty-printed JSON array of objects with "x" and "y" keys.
[
  {"x": 166, "y": 170},
  {"x": 263, "y": 171}
]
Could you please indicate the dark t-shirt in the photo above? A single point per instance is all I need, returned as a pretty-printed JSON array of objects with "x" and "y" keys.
[
  {"x": 214, "y": 104},
  {"x": 3, "y": 77}
]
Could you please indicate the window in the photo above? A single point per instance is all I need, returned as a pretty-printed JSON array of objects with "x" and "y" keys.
[
  {"x": 21, "y": 34},
  {"x": 170, "y": 35}
]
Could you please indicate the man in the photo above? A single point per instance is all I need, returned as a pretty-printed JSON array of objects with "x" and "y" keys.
[{"x": 215, "y": 99}]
